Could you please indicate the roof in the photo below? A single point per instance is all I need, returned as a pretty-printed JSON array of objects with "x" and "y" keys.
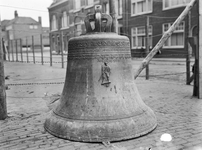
[
  {"x": 4, "y": 22},
  {"x": 23, "y": 20},
  {"x": 56, "y": 2}
]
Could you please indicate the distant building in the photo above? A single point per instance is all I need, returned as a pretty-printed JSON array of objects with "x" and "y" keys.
[
  {"x": 3, "y": 28},
  {"x": 67, "y": 20},
  {"x": 59, "y": 24},
  {"x": 45, "y": 36},
  {"x": 161, "y": 13},
  {"x": 24, "y": 28}
]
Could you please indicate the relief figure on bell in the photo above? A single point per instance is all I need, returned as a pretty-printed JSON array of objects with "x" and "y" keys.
[{"x": 105, "y": 74}]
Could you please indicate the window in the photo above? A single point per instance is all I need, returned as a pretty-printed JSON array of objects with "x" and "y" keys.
[
  {"x": 177, "y": 38},
  {"x": 33, "y": 27},
  {"x": 141, "y": 7},
  {"x": 9, "y": 28},
  {"x": 68, "y": 21},
  {"x": 78, "y": 25},
  {"x": 11, "y": 36},
  {"x": 106, "y": 8},
  {"x": 65, "y": 20},
  {"x": 77, "y": 4},
  {"x": 167, "y": 4},
  {"x": 78, "y": 29},
  {"x": 120, "y": 29},
  {"x": 54, "y": 23},
  {"x": 82, "y": 3},
  {"x": 118, "y": 7},
  {"x": 90, "y": 2},
  {"x": 139, "y": 37}
]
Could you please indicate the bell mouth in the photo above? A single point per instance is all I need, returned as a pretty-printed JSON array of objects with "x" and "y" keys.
[{"x": 100, "y": 131}]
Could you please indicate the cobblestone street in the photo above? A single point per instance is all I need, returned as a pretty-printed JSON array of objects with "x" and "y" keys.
[{"x": 178, "y": 113}]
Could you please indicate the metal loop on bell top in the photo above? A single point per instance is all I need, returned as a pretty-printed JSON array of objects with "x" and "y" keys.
[{"x": 98, "y": 22}]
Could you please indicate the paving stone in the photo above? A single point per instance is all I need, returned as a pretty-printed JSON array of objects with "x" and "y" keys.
[
  {"x": 33, "y": 148},
  {"x": 178, "y": 113}
]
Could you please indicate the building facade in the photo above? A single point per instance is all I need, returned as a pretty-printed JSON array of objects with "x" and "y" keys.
[
  {"x": 24, "y": 28},
  {"x": 161, "y": 14},
  {"x": 67, "y": 20}
]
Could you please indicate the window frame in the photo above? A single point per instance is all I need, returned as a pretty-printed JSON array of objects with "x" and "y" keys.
[
  {"x": 35, "y": 27},
  {"x": 138, "y": 35},
  {"x": 176, "y": 31},
  {"x": 106, "y": 8},
  {"x": 65, "y": 20},
  {"x": 119, "y": 8},
  {"x": 172, "y": 7},
  {"x": 54, "y": 23},
  {"x": 120, "y": 27},
  {"x": 78, "y": 5},
  {"x": 141, "y": 13},
  {"x": 31, "y": 27},
  {"x": 77, "y": 31}
]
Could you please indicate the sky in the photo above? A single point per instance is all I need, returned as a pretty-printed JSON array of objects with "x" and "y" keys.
[{"x": 26, "y": 8}]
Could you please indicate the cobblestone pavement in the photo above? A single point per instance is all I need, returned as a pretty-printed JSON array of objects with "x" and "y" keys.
[{"x": 178, "y": 113}]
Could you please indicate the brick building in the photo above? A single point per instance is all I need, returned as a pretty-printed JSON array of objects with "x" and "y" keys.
[
  {"x": 161, "y": 13},
  {"x": 24, "y": 28},
  {"x": 66, "y": 20}
]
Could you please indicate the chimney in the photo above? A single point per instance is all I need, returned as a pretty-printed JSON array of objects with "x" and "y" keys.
[
  {"x": 16, "y": 13},
  {"x": 39, "y": 20}
]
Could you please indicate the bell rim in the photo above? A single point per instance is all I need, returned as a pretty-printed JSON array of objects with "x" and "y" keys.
[
  {"x": 152, "y": 125},
  {"x": 130, "y": 137}
]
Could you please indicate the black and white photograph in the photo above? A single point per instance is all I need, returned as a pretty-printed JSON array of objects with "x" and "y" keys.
[{"x": 100, "y": 74}]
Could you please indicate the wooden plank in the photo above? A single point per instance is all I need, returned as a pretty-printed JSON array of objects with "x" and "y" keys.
[
  {"x": 3, "y": 106},
  {"x": 51, "y": 47},
  {"x": 200, "y": 49},
  {"x": 41, "y": 43},
  {"x": 147, "y": 45},
  {"x": 188, "y": 47}
]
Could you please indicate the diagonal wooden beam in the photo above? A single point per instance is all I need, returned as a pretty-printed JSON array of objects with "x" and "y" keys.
[
  {"x": 200, "y": 49},
  {"x": 163, "y": 39},
  {"x": 3, "y": 107}
]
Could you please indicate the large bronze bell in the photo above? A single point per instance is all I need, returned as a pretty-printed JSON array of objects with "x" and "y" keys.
[{"x": 100, "y": 101}]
